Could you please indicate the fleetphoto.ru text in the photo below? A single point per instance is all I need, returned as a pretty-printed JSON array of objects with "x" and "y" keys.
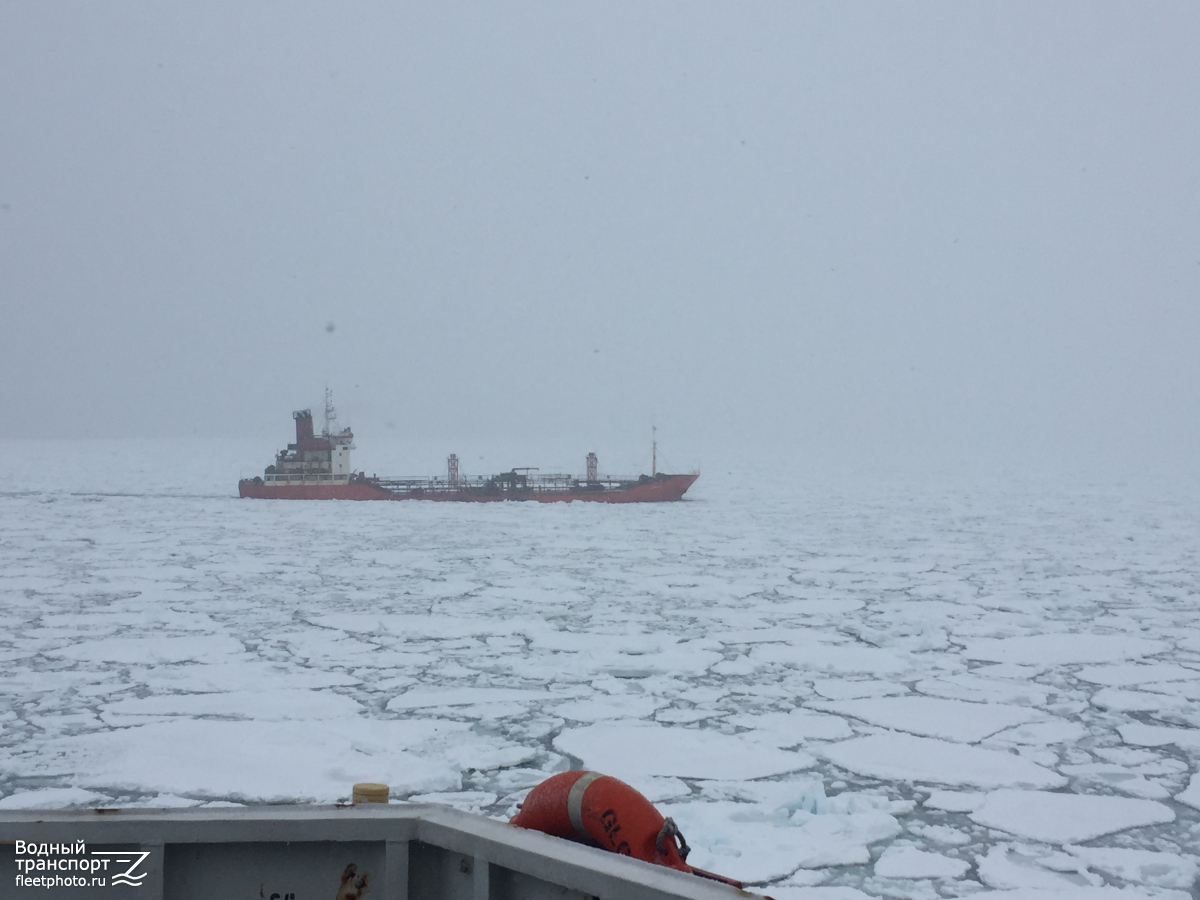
[{"x": 49, "y": 865}]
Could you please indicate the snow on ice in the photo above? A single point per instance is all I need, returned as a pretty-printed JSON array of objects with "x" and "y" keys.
[
  {"x": 906, "y": 861},
  {"x": 1066, "y": 818},
  {"x": 837, "y": 691}
]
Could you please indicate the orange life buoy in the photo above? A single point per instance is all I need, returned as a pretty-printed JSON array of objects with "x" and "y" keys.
[{"x": 605, "y": 812}]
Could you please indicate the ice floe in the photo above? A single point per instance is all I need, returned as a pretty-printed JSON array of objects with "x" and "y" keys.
[
  {"x": 955, "y": 801},
  {"x": 1066, "y": 818},
  {"x": 1032, "y": 867},
  {"x": 637, "y": 750},
  {"x": 1151, "y": 867},
  {"x": 1063, "y": 648},
  {"x": 1118, "y": 778},
  {"x": 904, "y": 861},
  {"x": 1137, "y": 673},
  {"x": 1191, "y": 794},
  {"x": 904, "y": 757},
  {"x": 53, "y": 798},
  {"x": 954, "y": 720},
  {"x": 786, "y": 729},
  {"x": 783, "y": 840},
  {"x": 1140, "y": 735},
  {"x": 267, "y": 761}
]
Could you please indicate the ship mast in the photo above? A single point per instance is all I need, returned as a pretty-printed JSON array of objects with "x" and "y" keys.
[
  {"x": 653, "y": 450},
  {"x": 330, "y": 414}
]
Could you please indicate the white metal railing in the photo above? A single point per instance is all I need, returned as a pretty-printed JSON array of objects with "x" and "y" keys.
[{"x": 306, "y": 478}]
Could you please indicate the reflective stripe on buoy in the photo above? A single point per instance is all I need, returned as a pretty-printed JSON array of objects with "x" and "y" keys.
[{"x": 575, "y": 804}]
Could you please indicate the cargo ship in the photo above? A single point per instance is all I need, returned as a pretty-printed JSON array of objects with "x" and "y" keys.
[{"x": 318, "y": 468}]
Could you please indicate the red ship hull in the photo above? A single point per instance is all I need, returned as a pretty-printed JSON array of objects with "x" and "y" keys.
[{"x": 664, "y": 488}]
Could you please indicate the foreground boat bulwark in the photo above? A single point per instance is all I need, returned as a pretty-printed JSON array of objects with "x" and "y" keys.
[
  {"x": 318, "y": 468},
  {"x": 402, "y": 851}
]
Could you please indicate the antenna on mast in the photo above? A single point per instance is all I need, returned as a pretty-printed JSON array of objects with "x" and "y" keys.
[
  {"x": 330, "y": 413},
  {"x": 653, "y": 450}
]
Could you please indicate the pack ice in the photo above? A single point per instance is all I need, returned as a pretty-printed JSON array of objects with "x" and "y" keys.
[{"x": 837, "y": 690}]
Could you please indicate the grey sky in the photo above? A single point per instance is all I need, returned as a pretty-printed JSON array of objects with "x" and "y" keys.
[{"x": 925, "y": 228}]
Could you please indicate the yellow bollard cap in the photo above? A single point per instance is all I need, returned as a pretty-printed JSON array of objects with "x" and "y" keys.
[{"x": 370, "y": 792}]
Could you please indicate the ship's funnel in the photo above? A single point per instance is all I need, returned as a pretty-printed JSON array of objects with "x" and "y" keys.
[{"x": 304, "y": 426}]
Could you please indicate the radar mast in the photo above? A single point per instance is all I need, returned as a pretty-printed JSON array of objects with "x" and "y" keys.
[{"x": 330, "y": 414}]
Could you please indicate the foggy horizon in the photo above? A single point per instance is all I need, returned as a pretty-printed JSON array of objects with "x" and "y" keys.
[{"x": 896, "y": 234}]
